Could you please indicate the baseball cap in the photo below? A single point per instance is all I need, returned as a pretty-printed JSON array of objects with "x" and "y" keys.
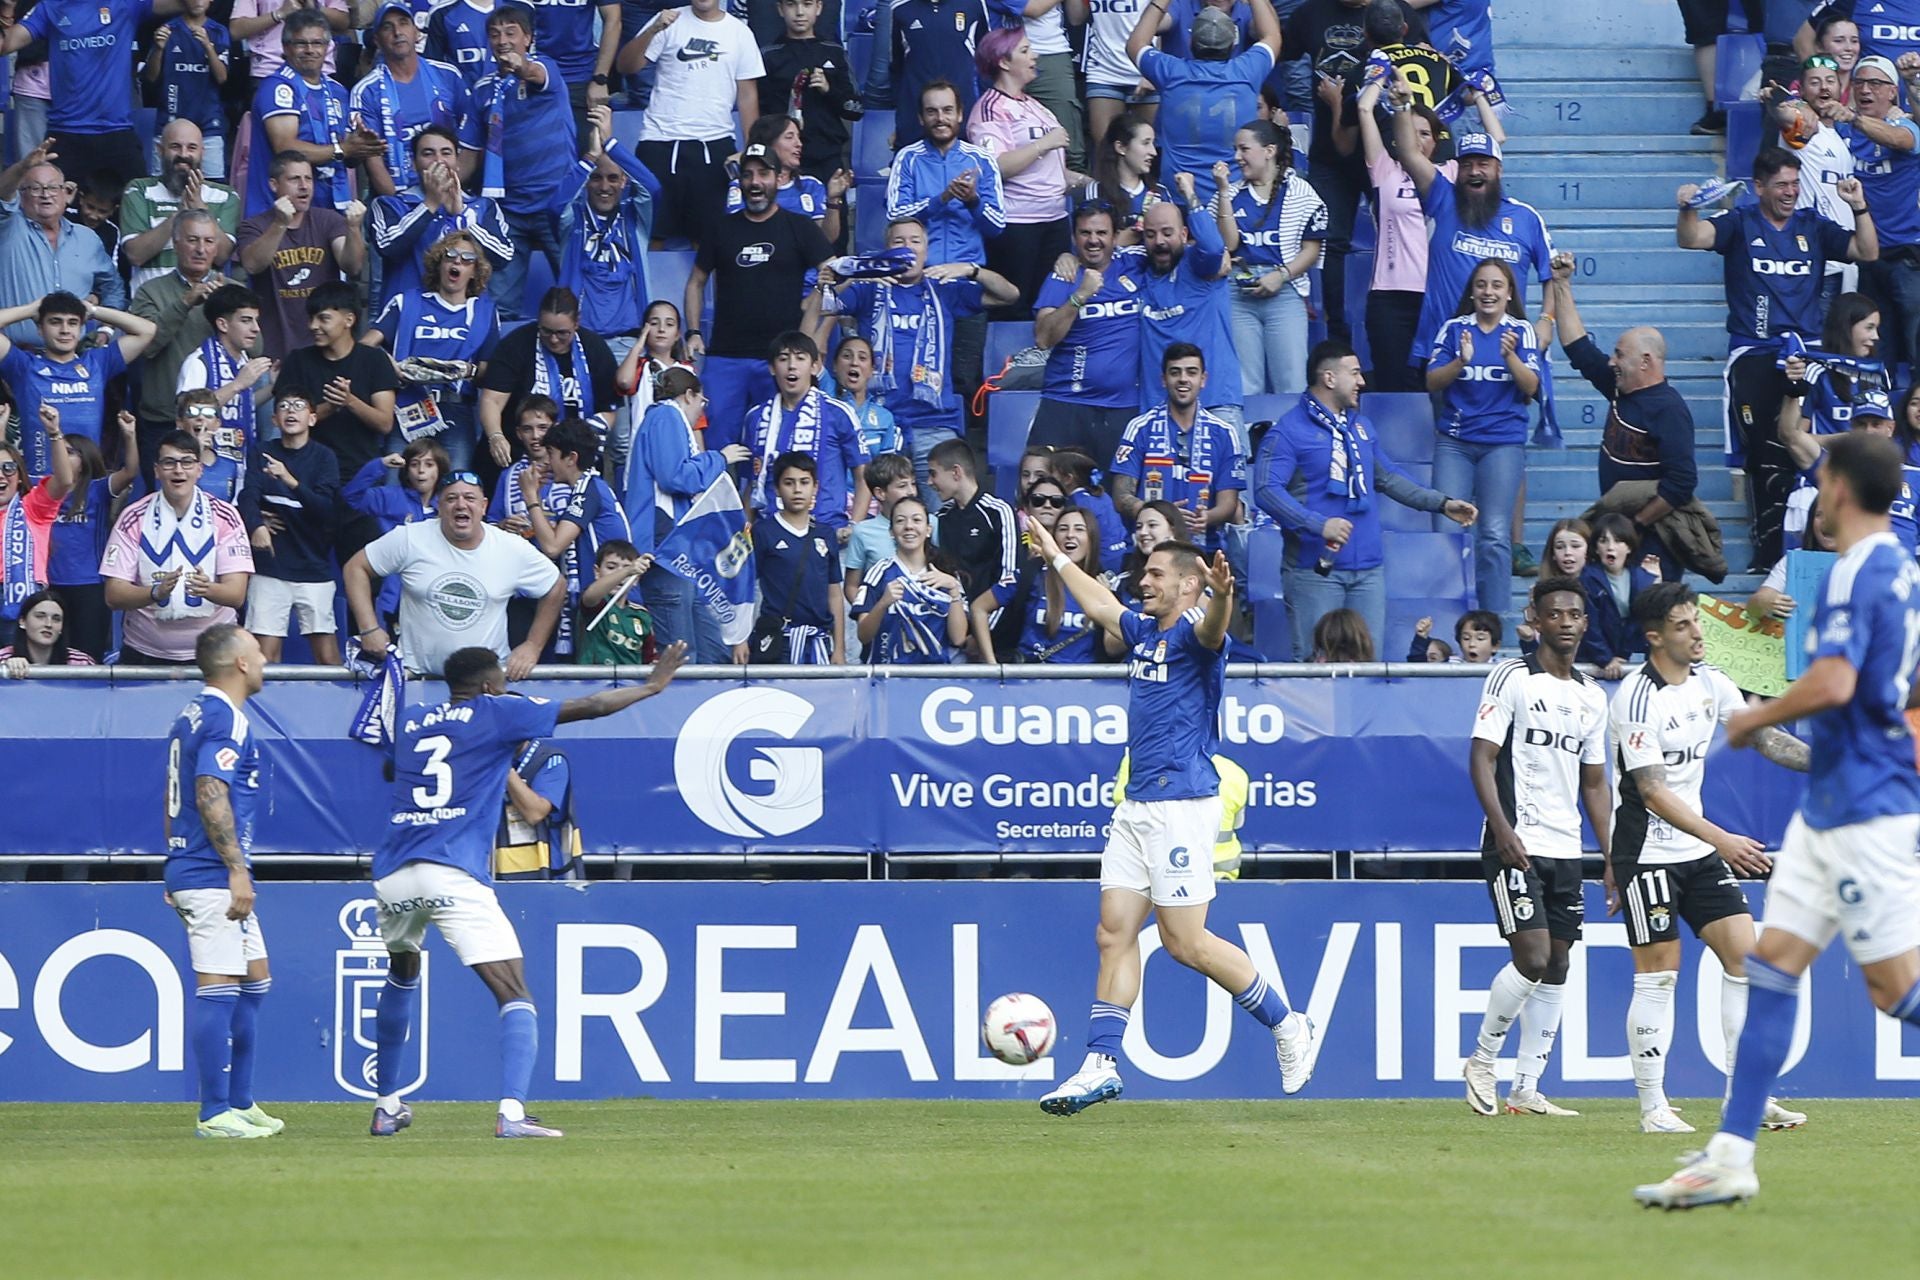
[
  {"x": 380, "y": 14},
  {"x": 1213, "y": 32},
  {"x": 1873, "y": 404},
  {"x": 1476, "y": 144},
  {"x": 761, "y": 152},
  {"x": 1875, "y": 62}
]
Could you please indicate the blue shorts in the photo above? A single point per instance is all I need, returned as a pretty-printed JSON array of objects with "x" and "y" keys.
[{"x": 1122, "y": 93}]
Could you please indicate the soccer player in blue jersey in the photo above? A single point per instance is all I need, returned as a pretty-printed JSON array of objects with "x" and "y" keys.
[
  {"x": 1776, "y": 257},
  {"x": 1847, "y": 863},
  {"x": 213, "y": 784},
  {"x": 1159, "y": 858},
  {"x": 435, "y": 866}
]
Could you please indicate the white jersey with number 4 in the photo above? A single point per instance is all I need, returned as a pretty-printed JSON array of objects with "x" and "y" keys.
[
  {"x": 1672, "y": 725},
  {"x": 1547, "y": 728}
]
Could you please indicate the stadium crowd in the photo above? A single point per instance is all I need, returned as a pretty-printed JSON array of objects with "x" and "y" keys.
[{"x": 287, "y": 355}]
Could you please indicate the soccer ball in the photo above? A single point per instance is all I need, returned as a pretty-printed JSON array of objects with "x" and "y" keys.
[{"x": 1018, "y": 1029}]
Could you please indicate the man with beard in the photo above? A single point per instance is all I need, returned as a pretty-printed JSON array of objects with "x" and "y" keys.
[
  {"x": 758, "y": 260},
  {"x": 1472, "y": 220},
  {"x": 1207, "y": 97},
  {"x": 1184, "y": 298},
  {"x": 148, "y": 208},
  {"x": 403, "y": 95},
  {"x": 1090, "y": 324},
  {"x": 950, "y": 186},
  {"x": 1776, "y": 256}
]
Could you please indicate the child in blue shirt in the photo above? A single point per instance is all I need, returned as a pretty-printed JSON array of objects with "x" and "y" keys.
[{"x": 188, "y": 61}]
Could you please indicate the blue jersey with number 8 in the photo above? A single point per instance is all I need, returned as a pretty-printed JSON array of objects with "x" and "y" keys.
[
  {"x": 450, "y": 780},
  {"x": 1862, "y": 752}
]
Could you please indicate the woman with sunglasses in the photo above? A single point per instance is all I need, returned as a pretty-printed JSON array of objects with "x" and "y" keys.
[
  {"x": 41, "y": 639},
  {"x": 912, "y": 609},
  {"x": 440, "y": 340},
  {"x": 1037, "y": 615}
]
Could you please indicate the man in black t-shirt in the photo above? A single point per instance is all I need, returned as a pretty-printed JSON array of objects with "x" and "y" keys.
[
  {"x": 759, "y": 259},
  {"x": 548, "y": 358},
  {"x": 351, "y": 388},
  {"x": 1333, "y": 36}
]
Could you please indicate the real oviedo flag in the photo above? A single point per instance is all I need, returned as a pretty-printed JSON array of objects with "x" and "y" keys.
[{"x": 710, "y": 548}]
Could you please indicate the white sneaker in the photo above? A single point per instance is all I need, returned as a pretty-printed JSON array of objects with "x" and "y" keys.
[
  {"x": 230, "y": 1124},
  {"x": 1778, "y": 1117},
  {"x": 1700, "y": 1182},
  {"x": 1533, "y": 1104},
  {"x": 1483, "y": 1091},
  {"x": 1083, "y": 1089},
  {"x": 1663, "y": 1120},
  {"x": 1296, "y": 1043}
]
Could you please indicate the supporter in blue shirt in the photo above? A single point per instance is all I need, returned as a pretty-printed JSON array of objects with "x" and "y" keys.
[
  {"x": 1091, "y": 326},
  {"x": 564, "y": 30},
  {"x": 408, "y": 223},
  {"x": 1612, "y": 579},
  {"x": 797, "y": 560},
  {"x": 605, "y": 261},
  {"x": 574, "y": 535},
  {"x": 60, "y": 373},
  {"x": 1176, "y": 27},
  {"x": 851, "y": 383},
  {"x": 1206, "y": 98},
  {"x": 1319, "y": 475},
  {"x": 298, "y": 108},
  {"x": 802, "y": 419},
  {"x": 917, "y": 42},
  {"x": 1775, "y": 256},
  {"x": 457, "y": 35},
  {"x": 452, "y": 320},
  {"x": 1485, "y": 366},
  {"x": 911, "y": 607},
  {"x": 421, "y": 467},
  {"x": 1180, "y": 453},
  {"x": 187, "y": 59},
  {"x": 403, "y": 94},
  {"x": 530, "y": 148},
  {"x": 90, "y": 46},
  {"x": 950, "y": 185},
  {"x": 1184, "y": 298},
  {"x": 78, "y": 538}
]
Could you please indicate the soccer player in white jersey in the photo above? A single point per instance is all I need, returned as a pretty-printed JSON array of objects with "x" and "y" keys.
[
  {"x": 435, "y": 866},
  {"x": 1159, "y": 858},
  {"x": 1847, "y": 864},
  {"x": 1539, "y": 752},
  {"x": 1667, "y": 862}
]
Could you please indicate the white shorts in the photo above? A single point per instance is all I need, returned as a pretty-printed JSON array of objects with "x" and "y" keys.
[
  {"x": 216, "y": 944},
  {"x": 271, "y": 600},
  {"x": 1164, "y": 849},
  {"x": 464, "y": 910},
  {"x": 1860, "y": 881}
]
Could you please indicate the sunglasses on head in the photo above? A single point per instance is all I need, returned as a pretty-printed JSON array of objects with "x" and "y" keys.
[
  {"x": 1046, "y": 500},
  {"x": 1822, "y": 61},
  {"x": 461, "y": 477}
]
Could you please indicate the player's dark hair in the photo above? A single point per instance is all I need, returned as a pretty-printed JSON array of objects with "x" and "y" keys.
[
  {"x": 177, "y": 439},
  {"x": 216, "y": 648},
  {"x": 1772, "y": 160},
  {"x": 433, "y": 131},
  {"x": 573, "y": 436},
  {"x": 1651, "y": 607},
  {"x": 226, "y": 300},
  {"x": 795, "y": 341},
  {"x": 1553, "y": 586},
  {"x": 793, "y": 460},
  {"x": 1613, "y": 525},
  {"x": 1324, "y": 353},
  {"x": 954, "y": 453},
  {"x": 1871, "y": 467},
  {"x": 467, "y": 670},
  {"x": 1187, "y": 558},
  {"x": 1480, "y": 620},
  {"x": 887, "y": 468},
  {"x": 1181, "y": 351},
  {"x": 616, "y": 547},
  {"x": 60, "y": 303},
  {"x": 336, "y": 295}
]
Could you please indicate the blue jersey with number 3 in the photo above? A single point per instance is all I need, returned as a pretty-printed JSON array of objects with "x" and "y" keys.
[
  {"x": 450, "y": 766},
  {"x": 1862, "y": 752}
]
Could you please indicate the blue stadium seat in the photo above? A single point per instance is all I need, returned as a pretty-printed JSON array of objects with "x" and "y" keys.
[
  {"x": 626, "y": 127},
  {"x": 1736, "y": 71},
  {"x": 870, "y": 215},
  {"x": 1428, "y": 565},
  {"x": 1404, "y": 421},
  {"x": 1272, "y": 633},
  {"x": 1004, "y": 338},
  {"x": 667, "y": 272},
  {"x": 1746, "y": 129},
  {"x": 1267, "y": 408},
  {"x": 1266, "y": 549},
  {"x": 1009, "y": 418},
  {"x": 871, "y": 154}
]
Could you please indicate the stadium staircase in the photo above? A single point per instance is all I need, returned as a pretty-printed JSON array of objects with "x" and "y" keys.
[{"x": 1603, "y": 96}]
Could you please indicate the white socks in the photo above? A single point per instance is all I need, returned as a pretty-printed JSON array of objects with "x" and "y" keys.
[
  {"x": 1505, "y": 999},
  {"x": 513, "y": 1109},
  {"x": 388, "y": 1102},
  {"x": 1733, "y": 1015},
  {"x": 1539, "y": 1024},
  {"x": 1650, "y": 1035}
]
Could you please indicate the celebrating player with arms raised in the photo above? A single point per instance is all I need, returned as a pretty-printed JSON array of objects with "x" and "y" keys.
[
  {"x": 1667, "y": 862},
  {"x": 1847, "y": 864},
  {"x": 1539, "y": 752},
  {"x": 435, "y": 866},
  {"x": 1159, "y": 857}
]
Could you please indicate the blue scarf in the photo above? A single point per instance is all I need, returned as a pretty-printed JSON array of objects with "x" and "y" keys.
[
  {"x": 906, "y": 636},
  {"x": 380, "y": 705},
  {"x": 928, "y": 371},
  {"x": 872, "y": 266},
  {"x": 1160, "y": 438},
  {"x": 236, "y": 415},
  {"x": 16, "y": 556},
  {"x": 1346, "y": 470},
  {"x": 547, "y": 378},
  {"x": 1872, "y": 372},
  {"x": 1454, "y": 105},
  {"x": 493, "y": 167},
  {"x": 399, "y": 148},
  {"x": 765, "y": 425}
]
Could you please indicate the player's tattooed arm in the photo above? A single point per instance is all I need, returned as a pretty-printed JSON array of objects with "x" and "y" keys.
[
  {"x": 1782, "y": 748},
  {"x": 216, "y": 815}
]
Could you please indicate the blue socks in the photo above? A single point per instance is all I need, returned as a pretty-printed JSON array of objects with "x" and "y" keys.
[
  {"x": 1773, "y": 1001},
  {"x": 213, "y": 1009},
  {"x": 519, "y": 1045},
  {"x": 1106, "y": 1027},
  {"x": 1908, "y": 1010},
  {"x": 1263, "y": 1002},
  {"x": 246, "y": 1014},
  {"x": 391, "y": 1023}
]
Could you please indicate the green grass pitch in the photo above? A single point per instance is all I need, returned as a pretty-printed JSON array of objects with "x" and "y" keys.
[{"x": 922, "y": 1190}]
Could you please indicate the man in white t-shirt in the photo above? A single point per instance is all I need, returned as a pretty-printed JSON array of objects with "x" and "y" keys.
[
  {"x": 707, "y": 67},
  {"x": 1825, "y": 157},
  {"x": 456, "y": 575}
]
